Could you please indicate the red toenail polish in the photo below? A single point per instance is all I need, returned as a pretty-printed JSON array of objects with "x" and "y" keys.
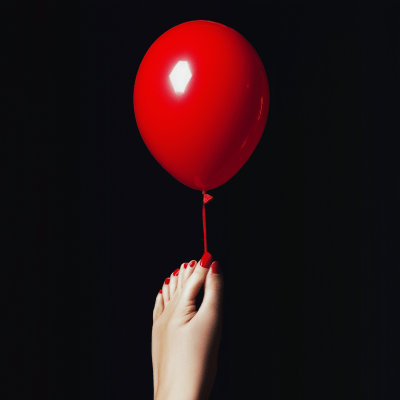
[
  {"x": 215, "y": 268},
  {"x": 185, "y": 265},
  {"x": 176, "y": 272},
  {"x": 191, "y": 264},
  {"x": 166, "y": 281},
  {"x": 206, "y": 260},
  {"x": 160, "y": 291}
]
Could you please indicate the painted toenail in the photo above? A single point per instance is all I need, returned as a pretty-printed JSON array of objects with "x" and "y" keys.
[
  {"x": 215, "y": 268},
  {"x": 191, "y": 264},
  {"x": 185, "y": 265},
  {"x": 166, "y": 281},
  {"x": 206, "y": 260},
  {"x": 176, "y": 272},
  {"x": 160, "y": 291}
]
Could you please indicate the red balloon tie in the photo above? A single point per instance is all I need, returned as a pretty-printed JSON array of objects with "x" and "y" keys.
[{"x": 206, "y": 199}]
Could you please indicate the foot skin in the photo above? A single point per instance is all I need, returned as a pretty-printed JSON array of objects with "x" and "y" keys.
[{"x": 185, "y": 341}]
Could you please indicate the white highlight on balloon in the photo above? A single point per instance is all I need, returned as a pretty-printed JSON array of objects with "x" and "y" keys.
[{"x": 180, "y": 76}]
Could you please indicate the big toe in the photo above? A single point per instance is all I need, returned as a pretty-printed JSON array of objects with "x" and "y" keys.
[
  {"x": 197, "y": 278},
  {"x": 213, "y": 291}
]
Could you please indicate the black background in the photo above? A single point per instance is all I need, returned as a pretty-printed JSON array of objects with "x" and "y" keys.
[{"x": 306, "y": 232}]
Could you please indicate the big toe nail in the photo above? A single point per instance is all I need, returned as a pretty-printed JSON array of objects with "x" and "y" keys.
[{"x": 206, "y": 260}]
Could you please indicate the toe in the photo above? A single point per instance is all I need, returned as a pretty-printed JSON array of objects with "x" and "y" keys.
[
  {"x": 173, "y": 282},
  {"x": 188, "y": 271},
  {"x": 213, "y": 291},
  {"x": 159, "y": 306},
  {"x": 165, "y": 291},
  {"x": 196, "y": 280},
  {"x": 181, "y": 275}
]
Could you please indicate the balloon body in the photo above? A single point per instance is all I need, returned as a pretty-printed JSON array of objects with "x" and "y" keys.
[{"x": 201, "y": 101}]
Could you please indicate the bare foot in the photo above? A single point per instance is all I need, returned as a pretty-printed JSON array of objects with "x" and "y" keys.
[{"x": 185, "y": 342}]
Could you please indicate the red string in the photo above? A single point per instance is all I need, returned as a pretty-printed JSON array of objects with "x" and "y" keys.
[
  {"x": 206, "y": 199},
  {"x": 204, "y": 224}
]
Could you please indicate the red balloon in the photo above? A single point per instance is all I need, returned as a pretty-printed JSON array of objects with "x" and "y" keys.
[{"x": 201, "y": 101}]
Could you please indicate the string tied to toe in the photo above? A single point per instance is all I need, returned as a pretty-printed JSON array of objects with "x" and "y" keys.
[{"x": 206, "y": 199}]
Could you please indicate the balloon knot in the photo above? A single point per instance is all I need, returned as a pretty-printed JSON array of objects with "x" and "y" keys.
[{"x": 206, "y": 198}]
